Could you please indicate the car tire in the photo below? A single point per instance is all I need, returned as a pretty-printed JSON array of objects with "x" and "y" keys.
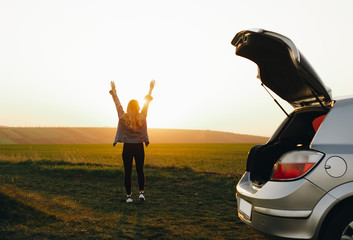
[{"x": 339, "y": 225}]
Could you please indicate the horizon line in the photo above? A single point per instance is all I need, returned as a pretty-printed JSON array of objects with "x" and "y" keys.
[{"x": 187, "y": 129}]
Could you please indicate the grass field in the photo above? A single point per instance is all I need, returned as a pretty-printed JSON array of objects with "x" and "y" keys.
[{"x": 77, "y": 192}]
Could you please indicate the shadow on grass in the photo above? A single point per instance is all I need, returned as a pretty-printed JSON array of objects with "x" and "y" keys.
[
  {"x": 88, "y": 201},
  {"x": 16, "y": 213}
]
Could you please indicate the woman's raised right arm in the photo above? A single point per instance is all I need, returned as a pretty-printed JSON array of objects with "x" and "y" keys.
[
  {"x": 118, "y": 106},
  {"x": 148, "y": 98}
]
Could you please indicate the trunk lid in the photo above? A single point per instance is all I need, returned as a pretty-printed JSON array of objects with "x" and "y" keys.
[{"x": 282, "y": 68}]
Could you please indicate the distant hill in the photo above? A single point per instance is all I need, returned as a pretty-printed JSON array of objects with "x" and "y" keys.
[{"x": 95, "y": 135}]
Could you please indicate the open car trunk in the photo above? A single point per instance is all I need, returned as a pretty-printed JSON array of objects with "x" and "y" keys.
[
  {"x": 284, "y": 70},
  {"x": 296, "y": 132}
]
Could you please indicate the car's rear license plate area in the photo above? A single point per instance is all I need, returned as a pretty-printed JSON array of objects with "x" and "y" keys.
[{"x": 245, "y": 208}]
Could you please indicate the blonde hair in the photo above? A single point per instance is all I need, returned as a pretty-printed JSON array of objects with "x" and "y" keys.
[{"x": 132, "y": 119}]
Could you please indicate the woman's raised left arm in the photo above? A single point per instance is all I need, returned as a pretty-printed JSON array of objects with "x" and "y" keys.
[{"x": 118, "y": 106}]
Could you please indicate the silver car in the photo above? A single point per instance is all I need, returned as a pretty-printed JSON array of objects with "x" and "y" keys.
[{"x": 300, "y": 183}]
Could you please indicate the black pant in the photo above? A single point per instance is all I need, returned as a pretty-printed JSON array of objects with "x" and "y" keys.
[{"x": 130, "y": 151}]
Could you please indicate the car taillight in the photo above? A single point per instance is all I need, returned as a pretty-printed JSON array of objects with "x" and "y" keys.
[{"x": 295, "y": 164}]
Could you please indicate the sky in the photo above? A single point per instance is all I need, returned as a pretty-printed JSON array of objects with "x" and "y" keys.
[{"x": 57, "y": 59}]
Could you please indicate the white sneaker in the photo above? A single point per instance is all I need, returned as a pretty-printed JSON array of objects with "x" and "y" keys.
[
  {"x": 141, "y": 196},
  {"x": 129, "y": 199}
]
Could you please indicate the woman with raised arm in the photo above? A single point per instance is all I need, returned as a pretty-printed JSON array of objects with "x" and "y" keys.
[{"x": 132, "y": 131}]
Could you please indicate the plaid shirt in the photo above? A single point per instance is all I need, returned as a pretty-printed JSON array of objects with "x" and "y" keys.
[{"x": 123, "y": 133}]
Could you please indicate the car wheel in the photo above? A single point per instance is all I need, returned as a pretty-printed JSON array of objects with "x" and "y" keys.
[{"x": 340, "y": 225}]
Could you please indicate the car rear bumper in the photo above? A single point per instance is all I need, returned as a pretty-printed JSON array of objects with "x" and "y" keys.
[
  {"x": 284, "y": 209},
  {"x": 281, "y": 227}
]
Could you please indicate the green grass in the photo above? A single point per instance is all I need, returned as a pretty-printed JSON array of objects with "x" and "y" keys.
[{"x": 77, "y": 192}]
